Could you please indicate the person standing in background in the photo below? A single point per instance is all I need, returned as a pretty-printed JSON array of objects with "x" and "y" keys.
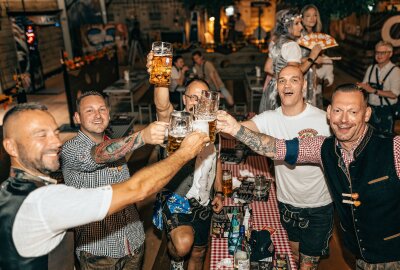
[
  {"x": 285, "y": 51},
  {"x": 240, "y": 27},
  {"x": 177, "y": 79},
  {"x": 205, "y": 70},
  {"x": 382, "y": 82}
]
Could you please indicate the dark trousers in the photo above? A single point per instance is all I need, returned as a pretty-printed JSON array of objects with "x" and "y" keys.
[{"x": 128, "y": 262}]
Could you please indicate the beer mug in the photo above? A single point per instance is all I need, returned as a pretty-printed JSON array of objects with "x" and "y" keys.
[
  {"x": 161, "y": 64},
  {"x": 227, "y": 182},
  {"x": 206, "y": 109},
  {"x": 180, "y": 124}
]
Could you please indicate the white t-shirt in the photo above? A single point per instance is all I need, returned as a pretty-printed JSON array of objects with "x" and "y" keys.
[
  {"x": 204, "y": 175},
  {"x": 291, "y": 52},
  {"x": 391, "y": 83},
  {"x": 49, "y": 211},
  {"x": 302, "y": 186}
]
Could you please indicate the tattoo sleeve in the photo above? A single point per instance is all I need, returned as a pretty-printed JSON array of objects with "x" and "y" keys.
[
  {"x": 112, "y": 150},
  {"x": 308, "y": 262},
  {"x": 258, "y": 142}
]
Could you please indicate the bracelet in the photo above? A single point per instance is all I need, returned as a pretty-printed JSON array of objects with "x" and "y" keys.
[
  {"x": 309, "y": 59},
  {"x": 219, "y": 192},
  {"x": 376, "y": 91}
]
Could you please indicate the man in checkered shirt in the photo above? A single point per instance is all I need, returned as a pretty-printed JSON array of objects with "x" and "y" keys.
[
  {"x": 90, "y": 161},
  {"x": 362, "y": 169}
]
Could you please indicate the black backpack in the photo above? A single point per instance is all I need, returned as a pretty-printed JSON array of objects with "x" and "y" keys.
[{"x": 261, "y": 245}]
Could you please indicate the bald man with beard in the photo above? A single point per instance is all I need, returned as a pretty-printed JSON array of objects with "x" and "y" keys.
[{"x": 35, "y": 212}]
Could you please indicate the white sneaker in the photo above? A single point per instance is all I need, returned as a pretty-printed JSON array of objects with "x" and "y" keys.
[{"x": 177, "y": 265}]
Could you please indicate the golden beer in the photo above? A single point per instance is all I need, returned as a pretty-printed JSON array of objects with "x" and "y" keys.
[
  {"x": 227, "y": 182},
  {"x": 212, "y": 130},
  {"x": 174, "y": 142},
  {"x": 161, "y": 70}
]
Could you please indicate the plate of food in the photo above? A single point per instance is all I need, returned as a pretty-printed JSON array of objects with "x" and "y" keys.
[{"x": 324, "y": 40}]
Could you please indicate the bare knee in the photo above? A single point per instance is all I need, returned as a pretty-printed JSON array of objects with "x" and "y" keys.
[{"x": 182, "y": 240}]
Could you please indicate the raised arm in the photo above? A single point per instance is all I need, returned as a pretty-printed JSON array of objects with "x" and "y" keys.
[
  {"x": 260, "y": 143},
  {"x": 152, "y": 178},
  {"x": 164, "y": 107},
  {"x": 112, "y": 150}
]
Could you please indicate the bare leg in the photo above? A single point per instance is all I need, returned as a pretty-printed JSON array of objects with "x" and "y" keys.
[
  {"x": 294, "y": 246},
  {"x": 181, "y": 242},
  {"x": 308, "y": 262},
  {"x": 196, "y": 259}
]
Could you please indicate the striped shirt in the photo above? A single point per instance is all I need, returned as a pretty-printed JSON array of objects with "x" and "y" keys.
[{"x": 117, "y": 235}]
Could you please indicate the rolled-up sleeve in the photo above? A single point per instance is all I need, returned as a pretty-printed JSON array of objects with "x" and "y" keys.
[{"x": 308, "y": 150}]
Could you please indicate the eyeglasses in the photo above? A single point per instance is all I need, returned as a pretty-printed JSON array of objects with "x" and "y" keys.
[
  {"x": 382, "y": 52},
  {"x": 192, "y": 97}
]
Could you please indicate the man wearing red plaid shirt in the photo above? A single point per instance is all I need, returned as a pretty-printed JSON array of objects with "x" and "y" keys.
[{"x": 362, "y": 168}]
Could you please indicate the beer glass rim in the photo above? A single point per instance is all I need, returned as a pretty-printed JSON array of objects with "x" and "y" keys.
[
  {"x": 156, "y": 46},
  {"x": 210, "y": 94},
  {"x": 180, "y": 113}
]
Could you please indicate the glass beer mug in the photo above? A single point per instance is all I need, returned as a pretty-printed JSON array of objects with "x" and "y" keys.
[
  {"x": 161, "y": 64},
  {"x": 180, "y": 124},
  {"x": 206, "y": 109}
]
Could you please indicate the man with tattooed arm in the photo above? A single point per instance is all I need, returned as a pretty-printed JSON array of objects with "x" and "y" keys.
[
  {"x": 91, "y": 160},
  {"x": 362, "y": 169},
  {"x": 35, "y": 212},
  {"x": 305, "y": 205}
]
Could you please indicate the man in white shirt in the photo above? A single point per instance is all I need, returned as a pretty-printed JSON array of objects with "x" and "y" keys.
[
  {"x": 304, "y": 201},
  {"x": 382, "y": 82},
  {"x": 35, "y": 213}
]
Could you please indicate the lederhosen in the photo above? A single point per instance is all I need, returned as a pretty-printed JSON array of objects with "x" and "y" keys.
[{"x": 382, "y": 115}]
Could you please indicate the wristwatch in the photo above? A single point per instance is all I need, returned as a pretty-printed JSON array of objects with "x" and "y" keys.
[
  {"x": 309, "y": 59},
  {"x": 219, "y": 192}
]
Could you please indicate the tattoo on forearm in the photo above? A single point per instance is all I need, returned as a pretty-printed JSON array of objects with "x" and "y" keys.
[
  {"x": 308, "y": 262},
  {"x": 260, "y": 143},
  {"x": 112, "y": 150}
]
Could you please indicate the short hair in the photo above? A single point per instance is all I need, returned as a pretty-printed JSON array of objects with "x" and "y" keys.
[
  {"x": 188, "y": 83},
  {"x": 30, "y": 106},
  {"x": 384, "y": 43},
  {"x": 87, "y": 94},
  {"x": 197, "y": 53},
  {"x": 287, "y": 66},
  {"x": 318, "y": 26},
  {"x": 351, "y": 87},
  {"x": 176, "y": 58}
]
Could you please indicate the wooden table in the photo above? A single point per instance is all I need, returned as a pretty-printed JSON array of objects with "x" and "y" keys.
[
  {"x": 264, "y": 213},
  {"x": 126, "y": 88}
]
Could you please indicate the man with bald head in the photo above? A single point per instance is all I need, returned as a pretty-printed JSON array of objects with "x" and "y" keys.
[
  {"x": 35, "y": 212},
  {"x": 188, "y": 233},
  {"x": 304, "y": 201},
  {"x": 362, "y": 170}
]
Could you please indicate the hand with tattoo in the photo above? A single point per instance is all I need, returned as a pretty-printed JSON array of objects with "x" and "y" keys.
[
  {"x": 227, "y": 124},
  {"x": 258, "y": 142},
  {"x": 113, "y": 150},
  {"x": 154, "y": 133}
]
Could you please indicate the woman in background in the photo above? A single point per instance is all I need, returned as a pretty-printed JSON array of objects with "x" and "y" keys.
[
  {"x": 177, "y": 79},
  {"x": 285, "y": 51},
  {"x": 311, "y": 21}
]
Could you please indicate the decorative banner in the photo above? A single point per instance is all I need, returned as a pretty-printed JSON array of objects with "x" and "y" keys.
[{"x": 96, "y": 37}]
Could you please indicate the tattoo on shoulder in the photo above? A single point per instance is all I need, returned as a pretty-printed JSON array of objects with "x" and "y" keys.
[{"x": 258, "y": 142}]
